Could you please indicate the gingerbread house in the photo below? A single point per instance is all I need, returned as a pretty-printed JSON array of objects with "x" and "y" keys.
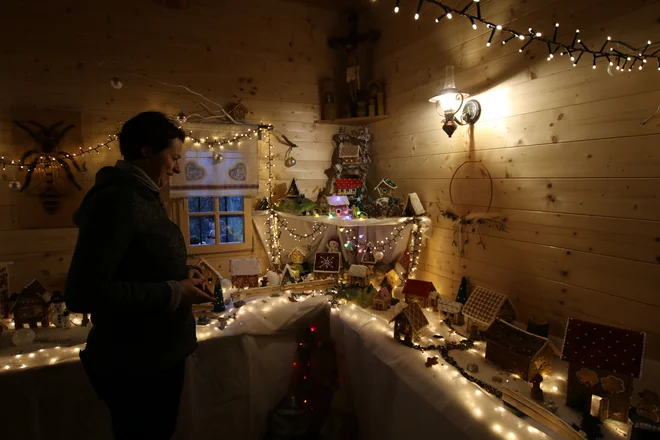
[
  {"x": 484, "y": 306},
  {"x": 347, "y": 186},
  {"x": 338, "y": 205},
  {"x": 382, "y": 300},
  {"x": 297, "y": 255},
  {"x": 349, "y": 153},
  {"x": 245, "y": 272},
  {"x": 452, "y": 309},
  {"x": 419, "y": 291},
  {"x": 289, "y": 275},
  {"x": 30, "y": 308},
  {"x": 602, "y": 363},
  {"x": 518, "y": 351},
  {"x": 414, "y": 205},
  {"x": 358, "y": 275},
  {"x": 386, "y": 188},
  {"x": 403, "y": 264},
  {"x": 408, "y": 323}
]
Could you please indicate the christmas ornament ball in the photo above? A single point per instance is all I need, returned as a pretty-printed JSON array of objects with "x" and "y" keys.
[
  {"x": 15, "y": 185},
  {"x": 218, "y": 158},
  {"x": 226, "y": 284},
  {"x": 116, "y": 83},
  {"x": 378, "y": 255},
  {"x": 22, "y": 336},
  {"x": 290, "y": 162}
]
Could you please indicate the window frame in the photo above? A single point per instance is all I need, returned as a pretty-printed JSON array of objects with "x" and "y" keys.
[{"x": 217, "y": 248}]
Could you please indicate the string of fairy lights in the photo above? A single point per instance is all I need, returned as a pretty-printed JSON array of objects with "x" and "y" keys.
[
  {"x": 610, "y": 51},
  {"x": 274, "y": 250},
  {"x": 317, "y": 230}
]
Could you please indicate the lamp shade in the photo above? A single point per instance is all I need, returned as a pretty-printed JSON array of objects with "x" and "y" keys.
[{"x": 450, "y": 98}]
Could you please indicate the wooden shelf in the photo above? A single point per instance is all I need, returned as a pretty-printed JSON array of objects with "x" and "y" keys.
[{"x": 366, "y": 120}]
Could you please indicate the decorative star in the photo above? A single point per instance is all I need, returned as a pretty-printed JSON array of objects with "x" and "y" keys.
[{"x": 431, "y": 361}]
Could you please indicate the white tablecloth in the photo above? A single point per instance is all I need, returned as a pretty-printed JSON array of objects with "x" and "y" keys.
[
  {"x": 396, "y": 396},
  {"x": 234, "y": 378}
]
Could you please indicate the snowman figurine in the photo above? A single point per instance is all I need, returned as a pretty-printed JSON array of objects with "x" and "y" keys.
[{"x": 59, "y": 315}]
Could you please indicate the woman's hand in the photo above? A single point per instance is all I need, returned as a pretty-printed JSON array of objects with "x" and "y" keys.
[
  {"x": 194, "y": 273},
  {"x": 193, "y": 291}
]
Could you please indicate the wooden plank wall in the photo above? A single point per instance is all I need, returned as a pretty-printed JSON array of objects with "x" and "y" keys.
[
  {"x": 62, "y": 56},
  {"x": 573, "y": 168}
]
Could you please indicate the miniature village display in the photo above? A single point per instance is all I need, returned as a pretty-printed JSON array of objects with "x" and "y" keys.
[
  {"x": 603, "y": 361},
  {"x": 484, "y": 306},
  {"x": 245, "y": 272},
  {"x": 518, "y": 351},
  {"x": 30, "y": 308},
  {"x": 408, "y": 323}
]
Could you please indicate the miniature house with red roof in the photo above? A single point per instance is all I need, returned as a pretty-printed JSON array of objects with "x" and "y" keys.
[
  {"x": 350, "y": 153},
  {"x": 347, "y": 186},
  {"x": 421, "y": 292},
  {"x": 603, "y": 361}
]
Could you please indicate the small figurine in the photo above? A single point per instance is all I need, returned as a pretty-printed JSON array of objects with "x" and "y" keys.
[
  {"x": 203, "y": 320},
  {"x": 537, "y": 392},
  {"x": 333, "y": 244},
  {"x": 473, "y": 368},
  {"x": 550, "y": 405}
]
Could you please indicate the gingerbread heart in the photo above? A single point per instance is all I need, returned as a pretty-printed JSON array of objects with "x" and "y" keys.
[
  {"x": 238, "y": 172},
  {"x": 194, "y": 171}
]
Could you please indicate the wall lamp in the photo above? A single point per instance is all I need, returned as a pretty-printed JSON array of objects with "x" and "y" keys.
[{"x": 451, "y": 100}]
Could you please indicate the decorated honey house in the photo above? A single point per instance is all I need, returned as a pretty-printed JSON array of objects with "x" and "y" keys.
[
  {"x": 409, "y": 323},
  {"x": 30, "y": 307},
  {"x": 603, "y": 362},
  {"x": 382, "y": 300},
  {"x": 245, "y": 272},
  {"x": 518, "y": 351},
  {"x": 422, "y": 292},
  {"x": 358, "y": 275},
  {"x": 484, "y": 306}
]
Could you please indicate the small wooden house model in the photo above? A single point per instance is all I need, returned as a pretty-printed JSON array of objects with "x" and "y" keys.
[
  {"x": 358, "y": 275},
  {"x": 518, "y": 351},
  {"x": 484, "y": 306},
  {"x": 349, "y": 153},
  {"x": 418, "y": 291},
  {"x": 338, "y": 205},
  {"x": 30, "y": 308},
  {"x": 603, "y": 361},
  {"x": 245, "y": 272},
  {"x": 408, "y": 323},
  {"x": 382, "y": 300},
  {"x": 452, "y": 309},
  {"x": 386, "y": 188},
  {"x": 327, "y": 263},
  {"x": 346, "y": 186},
  {"x": 297, "y": 255}
]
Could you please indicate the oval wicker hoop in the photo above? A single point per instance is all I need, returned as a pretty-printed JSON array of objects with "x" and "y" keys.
[{"x": 490, "y": 179}]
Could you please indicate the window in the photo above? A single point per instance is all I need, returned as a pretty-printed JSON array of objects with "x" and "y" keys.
[{"x": 217, "y": 224}]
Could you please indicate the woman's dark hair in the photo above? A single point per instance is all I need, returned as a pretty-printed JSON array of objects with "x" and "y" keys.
[{"x": 149, "y": 129}]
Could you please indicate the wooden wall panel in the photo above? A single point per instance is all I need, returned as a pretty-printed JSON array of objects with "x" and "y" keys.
[
  {"x": 574, "y": 170},
  {"x": 269, "y": 54}
]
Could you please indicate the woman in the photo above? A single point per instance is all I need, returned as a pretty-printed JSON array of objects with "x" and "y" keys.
[{"x": 129, "y": 271}]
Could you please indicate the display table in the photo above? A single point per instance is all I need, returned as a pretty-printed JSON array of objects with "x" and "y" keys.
[
  {"x": 395, "y": 395},
  {"x": 233, "y": 379}
]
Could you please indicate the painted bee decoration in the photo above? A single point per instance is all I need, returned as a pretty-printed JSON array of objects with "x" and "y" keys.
[{"x": 48, "y": 138}]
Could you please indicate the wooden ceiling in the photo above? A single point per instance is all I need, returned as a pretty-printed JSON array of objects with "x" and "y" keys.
[{"x": 340, "y": 5}]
